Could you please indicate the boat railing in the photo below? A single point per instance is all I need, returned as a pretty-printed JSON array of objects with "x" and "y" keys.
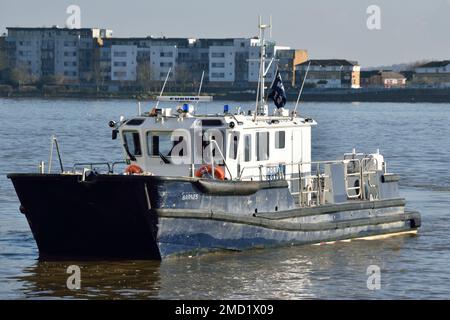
[
  {"x": 92, "y": 165},
  {"x": 213, "y": 143},
  {"x": 310, "y": 181}
]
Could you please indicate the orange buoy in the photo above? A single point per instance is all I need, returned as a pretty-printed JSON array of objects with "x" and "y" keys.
[
  {"x": 133, "y": 169},
  {"x": 207, "y": 170}
]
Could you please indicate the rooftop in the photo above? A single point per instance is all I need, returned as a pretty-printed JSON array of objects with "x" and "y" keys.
[
  {"x": 50, "y": 28},
  {"x": 435, "y": 64},
  {"x": 330, "y": 62},
  {"x": 391, "y": 75}
]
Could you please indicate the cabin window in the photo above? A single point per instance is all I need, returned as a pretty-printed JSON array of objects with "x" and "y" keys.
[
  {"x": 262, "y": 146},
  {"x": 280, "y": 139},
  {"x": 132, "y": 142},
  {"x": 247, "y": 148},
  {"x": 234, "y": 143},
  {"x": 212, "y": 134},
  {"x": 164, "y": 143}
]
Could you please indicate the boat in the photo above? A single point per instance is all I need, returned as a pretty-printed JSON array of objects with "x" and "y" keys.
[{"x": 195, "y": 182}]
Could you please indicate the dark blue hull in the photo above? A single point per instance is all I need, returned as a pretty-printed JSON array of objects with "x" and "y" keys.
[{"x": 148, "y": 217}]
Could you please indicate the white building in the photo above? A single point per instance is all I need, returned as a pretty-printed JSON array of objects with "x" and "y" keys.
[
  {"x": 434, "y": 67},
  {"x": 253, "y": 69},
  {"x": 222, "y": 63},
  {"x": 123, "y": 62},
  {"x": 163, "y": 58},
  {"x": 54, "y": 51},
  {"x": 330, "y": 73},
  {"x": 434, "y": 74}
]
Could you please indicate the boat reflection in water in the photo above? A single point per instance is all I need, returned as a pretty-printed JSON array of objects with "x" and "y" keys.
[{"x": 304, "y": 272}]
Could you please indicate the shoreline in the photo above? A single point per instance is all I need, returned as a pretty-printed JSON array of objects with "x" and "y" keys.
[{"x": 406, "y": 95}]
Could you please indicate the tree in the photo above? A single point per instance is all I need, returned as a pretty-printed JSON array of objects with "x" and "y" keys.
[
  {"x": 144, "y": 75},
  {"x": 182, "y": 77},
  {"x": 4, "y": 65},
  {"x": 20, "y": 75},
  {"x": 413, "y": 65}
]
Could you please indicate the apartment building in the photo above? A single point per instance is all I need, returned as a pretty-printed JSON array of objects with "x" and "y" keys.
[
  {"x": 61, "y": 52},
  {"x": 222, "y": 64},
  {"x": 92, "y": 56},
  {"x": 329, "y": 73},
  {"x": 123, "y": 62},
  {"x": 287, "y": 60}
]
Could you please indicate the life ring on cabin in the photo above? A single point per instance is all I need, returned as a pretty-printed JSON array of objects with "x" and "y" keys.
[
  {"x": 206, "y": 170},
  {"x": 133, "y": 169}
]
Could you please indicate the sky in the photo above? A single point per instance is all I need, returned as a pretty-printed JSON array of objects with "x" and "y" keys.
[{"x": 410, "y": 30}]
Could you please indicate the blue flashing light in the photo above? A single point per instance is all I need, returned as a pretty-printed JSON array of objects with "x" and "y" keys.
[{"x": 226, "y": 108}]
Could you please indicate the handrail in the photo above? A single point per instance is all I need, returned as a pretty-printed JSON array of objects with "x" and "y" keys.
[
  {"x": 92, "y": 164},
  {"x": 316, "y": 183},
  {"x": 223, "y": 158},
  {"x": 116, "y": 163},
  {"x": 110, "y": 165}
]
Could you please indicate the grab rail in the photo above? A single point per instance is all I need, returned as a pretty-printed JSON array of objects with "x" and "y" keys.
[
  {"x": 91, "y": 165},
  {"x": 212, "y": 141},
  {"x": 312, "y": 187}
]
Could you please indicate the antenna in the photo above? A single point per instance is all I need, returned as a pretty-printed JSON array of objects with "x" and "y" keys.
[
  {"x": 260, "y": 103},
  {"x": 270, "y": 26},
  {"x": 301, "y": 90},
  {"x": 201, "y": 84},
  {"x": 164, "y": 85},
  {"x": 200, "y": 89}
]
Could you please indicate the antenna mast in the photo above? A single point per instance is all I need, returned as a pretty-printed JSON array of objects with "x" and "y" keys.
[
  {"x": 261, "y": 106},
  {"x": 164, "y": 86}
]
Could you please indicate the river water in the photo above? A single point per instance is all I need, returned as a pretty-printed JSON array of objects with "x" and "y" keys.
[{"x": 414, "y": 138}]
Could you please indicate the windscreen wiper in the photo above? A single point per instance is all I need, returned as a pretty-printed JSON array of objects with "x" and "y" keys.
[
  {"x": 164, "y": 158},
  {"x": 132, "y": 158}
]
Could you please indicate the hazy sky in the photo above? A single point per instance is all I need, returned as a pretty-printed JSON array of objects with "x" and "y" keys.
[{"x": 410, "y": 29}]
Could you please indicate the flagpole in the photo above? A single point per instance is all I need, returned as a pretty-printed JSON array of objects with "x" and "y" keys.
[
  {"x": 300, "y": 92},
  {"x": 271, "y": 85}
]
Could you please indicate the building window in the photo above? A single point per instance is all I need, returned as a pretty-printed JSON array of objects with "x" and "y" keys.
[
  {"x": 70, "y": 64},
  {"x": 120, "y": 54},
  {"x": 218, "y": 65},
  {"x": 280, "y": 139},
  {"x": 217, "y": 54},
  {"x": 217, "y": 75},
  {"x": 70, "y": 73},
  {"x": 166, "y": 64},
  {"x": 167, "y": 54},
  {"x": 120, "y": 64},
  {"x": 70, "y": 43},
  {"x": 262, "y": 146},
  {"x": 120, "y": 74}
]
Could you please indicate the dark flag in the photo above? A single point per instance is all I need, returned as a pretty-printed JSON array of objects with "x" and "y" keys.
[{"x": 278, "y": 95}]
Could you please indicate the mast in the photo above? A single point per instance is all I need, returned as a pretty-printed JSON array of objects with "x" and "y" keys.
[{"x": 260, "y": 108}]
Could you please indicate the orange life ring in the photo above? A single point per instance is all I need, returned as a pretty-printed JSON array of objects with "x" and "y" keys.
[
  {"x": 207, "y": 169},
  {"x": 133, "y": 169}
]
